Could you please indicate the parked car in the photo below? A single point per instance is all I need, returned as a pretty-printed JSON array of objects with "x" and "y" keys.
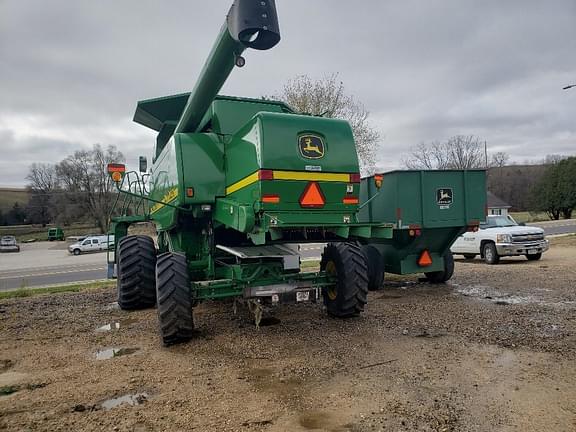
[
  {"x": 9, "y": 244},
  {"x": 92, "y": 244},
  {"x": 501, "y": 236},
  {"x": 55, "y": 234}
]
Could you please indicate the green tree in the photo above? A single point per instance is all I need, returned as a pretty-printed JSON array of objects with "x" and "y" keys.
[{"x": 556, "y": 192}]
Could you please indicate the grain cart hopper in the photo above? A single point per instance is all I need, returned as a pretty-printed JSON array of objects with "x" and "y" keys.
[
  {"x": 429, "y": 210},
  {"x": 235, "y": 185}
]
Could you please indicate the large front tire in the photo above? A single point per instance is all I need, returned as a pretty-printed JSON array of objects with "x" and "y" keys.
[
  {"x": 174, "y": 299},
  {"x": 346, "y": 264},
  {"x": 442, "y": 276},
  {"x": 136, "y": 273}
]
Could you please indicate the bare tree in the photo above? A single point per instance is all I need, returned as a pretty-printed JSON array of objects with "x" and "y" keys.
[
  {"x": 43, "y": 182},
  {"x": 327, "y": 97},
  {"x": 87, "y": 182},
  {"x": 458, "y": 152},
  {"x": 499, "y": 159}
]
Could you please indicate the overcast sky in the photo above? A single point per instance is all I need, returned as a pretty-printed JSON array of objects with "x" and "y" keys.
[{"x": 72, "y": 71}]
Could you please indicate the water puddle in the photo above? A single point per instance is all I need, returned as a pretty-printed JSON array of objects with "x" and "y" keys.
[
  {"x": 115, "y": 325},
  {"x": 108, "y": 353},
  {"x": 129, "y": 399},
  {"x": 112, "y": 306},
  {"x": 505, "y": 299}
]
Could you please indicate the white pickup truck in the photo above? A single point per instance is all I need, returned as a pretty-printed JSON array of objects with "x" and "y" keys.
[
  {"x": 501, "y": 236},
  {"x": 92, "y": 244}
]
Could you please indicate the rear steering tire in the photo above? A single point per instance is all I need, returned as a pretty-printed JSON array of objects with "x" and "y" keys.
[
  {"x": 136, "y": 273},
  {"x": 174, "y": 299},
  {"x": 346, "y": 263},
  {"x": 442, "y": 275},
  {"x": 375, "y": 265},
  {"x": 491, "y": 254}
]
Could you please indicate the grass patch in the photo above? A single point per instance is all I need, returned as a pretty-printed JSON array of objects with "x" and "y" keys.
[
  {"x": 29, "y": 292},
  {"x": 569, "y": 240},
  {"x": 528, "y": 217},
  {"x": 310, "y": 264}
]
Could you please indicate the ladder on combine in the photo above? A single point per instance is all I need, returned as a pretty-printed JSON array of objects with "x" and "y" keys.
[{"x": 131, "y": 205}]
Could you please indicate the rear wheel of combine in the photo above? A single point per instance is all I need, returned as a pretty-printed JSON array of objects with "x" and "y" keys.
[
  {"x": 346, "y": 263},
  {"x": 442, "y": 275},
  {"x": 375, "y": 265},
  {"x": 136, "y": 273},
  {"x": 174, "y": 299}
]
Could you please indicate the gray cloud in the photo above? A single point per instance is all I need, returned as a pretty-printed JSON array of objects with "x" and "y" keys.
[{"x": 71, "y": 72}]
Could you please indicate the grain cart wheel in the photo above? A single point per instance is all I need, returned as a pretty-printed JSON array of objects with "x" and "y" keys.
[
  {"x": 490, "y": 253},
  {"x": 136, "y": 273},
  {"x": 346, "y": 263},
  {"x": 442, "y": 275},
  {"x": 174, "y": 298},
  {"x": 375, "y": 267}
]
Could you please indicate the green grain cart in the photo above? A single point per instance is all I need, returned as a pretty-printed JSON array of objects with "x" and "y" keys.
[{"x": 237, "y": 184}]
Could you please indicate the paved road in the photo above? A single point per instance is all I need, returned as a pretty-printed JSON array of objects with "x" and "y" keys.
[
  {"x": 566, "y": 226},
  {"x": 39, "y": 276},
  {"x": 49, "y": 263}
]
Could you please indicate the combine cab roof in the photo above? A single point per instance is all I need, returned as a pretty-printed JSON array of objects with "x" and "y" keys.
[{"x": 154, "y": 113}]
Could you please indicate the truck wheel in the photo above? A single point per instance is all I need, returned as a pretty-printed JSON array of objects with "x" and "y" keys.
[
  {"x": 346, "y": 263},
  {"x": 136, "y": 266},
  {"x": 442, "y": 275},
  {"x": 375, "y": 267},
  {"x": 491, "y": 254},
  {"x": 534, "y": 257},
  {"x": 76, "y": 252},
  {"x": 174, "y": 299},
  {"x": 469, "y": 256}
]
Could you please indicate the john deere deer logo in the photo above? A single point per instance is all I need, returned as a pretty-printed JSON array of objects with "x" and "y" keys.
[
  {"x": 311, "y": 146},
  {"x": 444, "y": 196}
]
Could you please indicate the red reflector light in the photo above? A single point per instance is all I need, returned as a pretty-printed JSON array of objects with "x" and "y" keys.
[
  {"x": 312, "y": 196},
  {"x": 265, "y": 175},
  {"x": 116, "y": 168},
  {"x": 189, "y": 192},
  {"x": 355, "y": 178},
  {"x": 350, "y": 200},
  {"x": 271, "y": 199},
  {"x": 425, "y": 259}
]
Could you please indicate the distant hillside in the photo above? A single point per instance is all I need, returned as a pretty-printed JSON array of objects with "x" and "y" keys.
[
  {"x": 515, "y": 183},
  {"x": 9, "y": 196}
]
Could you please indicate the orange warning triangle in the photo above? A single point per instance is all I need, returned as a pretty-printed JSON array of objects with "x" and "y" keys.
[
  {"x": 425, "y": 259},
  {"x": 312, "y": 196}
]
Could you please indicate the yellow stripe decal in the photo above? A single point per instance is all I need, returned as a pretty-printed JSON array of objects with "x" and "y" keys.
[
  {"x": 246, "y": 181},
  {"x": 170, "y": 196},
  {"x": 311, "y": 176},
  {"x": 290, "y": 175}
]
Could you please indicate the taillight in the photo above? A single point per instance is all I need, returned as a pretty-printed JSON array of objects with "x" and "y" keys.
[
  {"x": 265, "y": 175},
  {"x": 350, "y": 200},
  {"x": 271, "y": 199},
  {"x": 355, "y": 178}
]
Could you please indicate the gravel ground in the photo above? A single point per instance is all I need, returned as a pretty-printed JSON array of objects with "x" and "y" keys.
[{"x": 493, "y": 351}]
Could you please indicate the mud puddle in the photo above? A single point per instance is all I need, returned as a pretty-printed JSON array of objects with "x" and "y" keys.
[
  {"x": 108, "y": 353},
  {"x": 116, "y": 325},
  {"x": 129, "y": 399}
]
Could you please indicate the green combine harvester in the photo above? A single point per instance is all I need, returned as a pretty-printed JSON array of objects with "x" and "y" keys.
[{"x": 238, "y": 184}]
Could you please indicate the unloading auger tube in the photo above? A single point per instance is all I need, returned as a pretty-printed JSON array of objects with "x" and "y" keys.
[{"x": 249, "y": 24}]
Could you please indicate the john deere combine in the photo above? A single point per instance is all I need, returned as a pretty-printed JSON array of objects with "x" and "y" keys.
[{"x": 237, "y": 184}]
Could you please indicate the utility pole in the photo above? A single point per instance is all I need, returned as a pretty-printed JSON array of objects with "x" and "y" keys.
[{"x": 486, "y": 153}]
